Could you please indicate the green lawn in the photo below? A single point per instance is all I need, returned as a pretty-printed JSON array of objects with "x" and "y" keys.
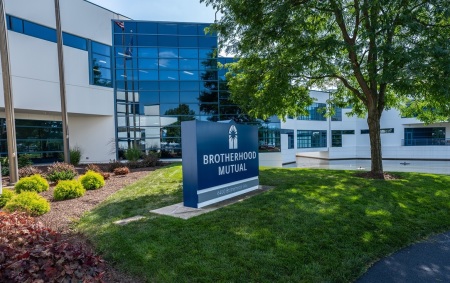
[{"x": 315, "y": 226}]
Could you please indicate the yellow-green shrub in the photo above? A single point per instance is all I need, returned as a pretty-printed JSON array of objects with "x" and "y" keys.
[
  {"x": 68, "y": 189},
  {"x": 5, "y": 197},
  {"x": 92, "y": 180},
  {"x": 34, "y": 183},
  {"x": 28, "y": 202}
]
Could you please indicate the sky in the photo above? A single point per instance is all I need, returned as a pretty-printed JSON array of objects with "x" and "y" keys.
[{"x": 160, "y": 10}]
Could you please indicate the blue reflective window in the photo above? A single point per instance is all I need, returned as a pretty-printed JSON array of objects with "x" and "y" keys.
[
  {"x": 187, "y": 29},
  {"x": 168, "y": 53},
  {"x": 207, "y": 41},
  {"x": 170, "y": 109},
  {"x": 130, "y": 27},
  {"x": 126, "y": 74},
  {"x": 195, "y": 108},
  {"x": 168, "y": 75},
  {"x": 167, "y": 40},
  {"x": 169, "y": 86},
  {"x": 148, "y": 52},
  {"x": 168, "y": 63},
  {"x": 145, "y": 27},
  {"x": 101, "y": 61},
  {"x": 189, "y": 75},
  {"x": 74, "y": 41},
  {"x": 148, "y": 85},
  {"x": 189, "y": 96},
  {"x": 149, "y": 75},
  {"x": 39, "y": 31},
  {"x": 207, "y": 53},
  {"x": 188, "y": 86},
  {"x": 15, "y": 24},
  {"x": 122, "y": 61},
  {"x": 148, "y": 63},
  {"x": 149, "y": 97},
  {"x": 123, "y": 39},
  {"x": 201, "y": 29},
  {"x": 100, "y": 48},
  {"x": 188, "y": 53},
  {"x": 188, "y": 64},
  {"x": 167, "y": 28},
  {"x": 100, "y": 57},
  {"x": 102, "y": 73},
  {"x": 147, "y": 40},
  {"x": 169, "y": 97},
  {"x": 209, "y": 64},
  {"x": 188, "y": 41}
]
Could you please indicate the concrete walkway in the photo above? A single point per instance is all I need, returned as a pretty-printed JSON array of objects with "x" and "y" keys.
[{"x": 427, "y": 261}]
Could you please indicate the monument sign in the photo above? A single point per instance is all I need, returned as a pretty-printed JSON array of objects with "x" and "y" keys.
[{"x": 220, "y": 161}]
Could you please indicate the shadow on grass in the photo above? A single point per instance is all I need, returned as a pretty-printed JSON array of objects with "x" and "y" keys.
[{"x": 316, "y": 225}]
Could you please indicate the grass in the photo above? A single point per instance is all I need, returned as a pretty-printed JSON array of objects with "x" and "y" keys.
[{"x": 315, "y": 226}]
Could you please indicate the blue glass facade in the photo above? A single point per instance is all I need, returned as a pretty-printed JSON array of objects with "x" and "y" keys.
[{"x": 166, "y": 73}]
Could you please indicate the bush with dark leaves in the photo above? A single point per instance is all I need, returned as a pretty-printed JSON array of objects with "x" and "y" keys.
[
  {"x": 29, "y": 170},
  {"x": 59, "y": 171},
  {"x": 121, "y": 171},
  {"x": 30, "y": 252}
]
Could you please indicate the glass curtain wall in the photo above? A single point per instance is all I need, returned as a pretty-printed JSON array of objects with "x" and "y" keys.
[{"x": 166, "y": 73}]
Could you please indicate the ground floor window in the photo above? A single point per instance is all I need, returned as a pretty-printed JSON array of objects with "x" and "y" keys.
[
  {"x": 41, "y": 140},
  {"x": 336, "y": 136},
  {"x": 291, "y": 140},
  {"x": 424, "y": 136},
  {"x": 311, "y": 138},
  {"x": 269, "y": 138}
]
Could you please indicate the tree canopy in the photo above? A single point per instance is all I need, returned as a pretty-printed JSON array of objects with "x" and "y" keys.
[{"x": 374, "y": 54}]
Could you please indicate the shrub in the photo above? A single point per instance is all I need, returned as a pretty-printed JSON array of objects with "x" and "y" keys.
[
  {"x": 75, "y": 155},
  {"x": 29, "y": 170},
  {"x": 68, "y": 189},
  {"x": 150, "y": 160},
  {"x": 5, "y": 197},
  {"x": 93, "y": 167},
  {"x": 132, "y": 153},
  {"x": 34, "y": 183},
  {"x": 92, "y": 180},
  {"x": 59, "y": 171},
  {"x": 28, "y": 202},
  {"x": 32, "y": 253},
  {"x": 105, "y": 175},
  {"x": 24, "y": 160},
  {"x": 113, "y": 165},
  {"x": 121, "y": 171},
  {"x": 5, "y": 166}
]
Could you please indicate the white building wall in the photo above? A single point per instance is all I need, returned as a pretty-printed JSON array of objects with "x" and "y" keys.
[
  {"x": 95, "y": 136},
  {"x": 358, "y": 145},
  {"x": 35, "y": 75}
]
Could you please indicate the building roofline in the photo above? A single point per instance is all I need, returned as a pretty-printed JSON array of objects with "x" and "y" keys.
[{"x": 107, "y": 9}]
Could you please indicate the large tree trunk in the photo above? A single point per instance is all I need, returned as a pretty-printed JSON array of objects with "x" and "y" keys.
[{"x": 373, "y": 120}]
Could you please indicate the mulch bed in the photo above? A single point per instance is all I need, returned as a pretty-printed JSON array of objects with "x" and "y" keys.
[{"x": 64, "y": 213}]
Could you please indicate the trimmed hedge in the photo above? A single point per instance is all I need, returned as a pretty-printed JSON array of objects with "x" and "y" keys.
[
  {"x": 28, "y": 202},
  {"x": 6, "y": 195},
  {"x": 92, "y": 180},
  {"x": 68, "y": 189},
  {"x": 34, "y": 183}
]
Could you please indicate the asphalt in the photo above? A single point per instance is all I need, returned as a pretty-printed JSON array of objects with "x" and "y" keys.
[{"x": 427, "y": 261}]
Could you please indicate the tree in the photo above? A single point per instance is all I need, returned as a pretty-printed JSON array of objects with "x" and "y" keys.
[{"x": 377, "y": 54}]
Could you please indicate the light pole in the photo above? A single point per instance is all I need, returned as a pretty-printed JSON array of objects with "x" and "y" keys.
[
  {"x": 62, "y": 84},
  {"x": 9, "y": 103}
]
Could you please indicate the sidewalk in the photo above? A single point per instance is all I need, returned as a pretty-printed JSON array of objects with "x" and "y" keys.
[{"x": 427, "y": 261}]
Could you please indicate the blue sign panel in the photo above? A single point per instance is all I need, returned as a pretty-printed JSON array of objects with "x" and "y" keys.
[{"x": 220, "y": 161}]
